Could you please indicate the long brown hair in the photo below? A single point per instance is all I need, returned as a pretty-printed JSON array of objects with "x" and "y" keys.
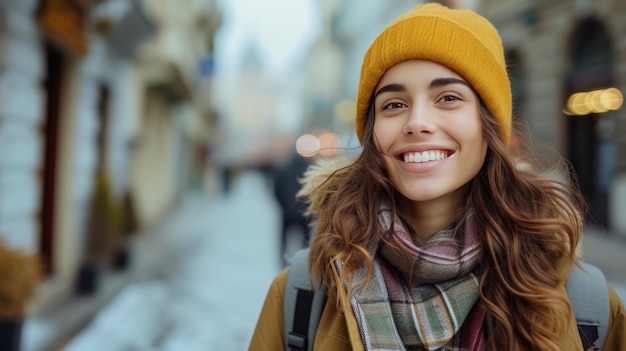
[{"x": 530, "y": 226}]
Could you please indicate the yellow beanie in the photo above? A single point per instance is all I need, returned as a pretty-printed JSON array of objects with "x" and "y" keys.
[{"x": 459, "y": 39}]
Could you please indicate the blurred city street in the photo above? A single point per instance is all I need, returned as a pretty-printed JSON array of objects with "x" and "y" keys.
[
  {"x": 123, "y": 121},
  {"x": 215, "y": 260}
]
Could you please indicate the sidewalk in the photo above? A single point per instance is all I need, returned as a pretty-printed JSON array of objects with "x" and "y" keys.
[{"x": 199, "y": 280}]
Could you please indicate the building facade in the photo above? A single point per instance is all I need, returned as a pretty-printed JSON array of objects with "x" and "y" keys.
[
  {"x": 97, "y": 108},
  {"x": 556, "y": 49}
]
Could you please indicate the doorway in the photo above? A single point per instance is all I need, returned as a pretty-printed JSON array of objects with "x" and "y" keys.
[{"x": 589, "y": 140}]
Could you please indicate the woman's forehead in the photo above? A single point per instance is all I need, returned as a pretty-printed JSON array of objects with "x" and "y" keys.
[{"x": 427, "y": 69}]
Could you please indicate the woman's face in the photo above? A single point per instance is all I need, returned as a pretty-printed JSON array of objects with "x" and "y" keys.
[{"x": 427, "y": 126}]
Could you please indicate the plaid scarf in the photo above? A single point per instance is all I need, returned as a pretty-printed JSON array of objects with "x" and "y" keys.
[{"x": 439, "y": 310}]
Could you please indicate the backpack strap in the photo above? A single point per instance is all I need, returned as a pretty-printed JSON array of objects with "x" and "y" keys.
[
  {"x": 302, "y": 305},
  {"x": 589, "y": 295}
]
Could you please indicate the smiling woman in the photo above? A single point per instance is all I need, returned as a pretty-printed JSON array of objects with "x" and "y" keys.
[
  {"x": 428, "y": 129},
  {"x": 433, "y": 238}
]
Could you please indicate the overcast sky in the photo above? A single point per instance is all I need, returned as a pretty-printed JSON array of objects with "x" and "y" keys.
[{"x": 280, "y": 29}]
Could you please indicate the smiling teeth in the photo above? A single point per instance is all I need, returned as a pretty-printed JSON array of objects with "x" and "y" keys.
[{"x": 426, "y": 156}]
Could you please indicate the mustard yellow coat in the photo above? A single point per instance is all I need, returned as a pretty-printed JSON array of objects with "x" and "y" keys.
[{"x": 338, "y": 329}]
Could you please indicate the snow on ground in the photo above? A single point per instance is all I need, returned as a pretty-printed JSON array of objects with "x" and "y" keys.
[{"x": 208, "y": 295}]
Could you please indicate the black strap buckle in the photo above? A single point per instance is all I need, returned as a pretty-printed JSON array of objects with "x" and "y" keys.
[{"x": 297, "y": 342}]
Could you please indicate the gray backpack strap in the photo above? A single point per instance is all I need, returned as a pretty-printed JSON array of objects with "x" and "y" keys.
[
  {"x": 589, "y": 295},
  {"x": 302, "y": 305},
  {"x": 319, "y": 301}
]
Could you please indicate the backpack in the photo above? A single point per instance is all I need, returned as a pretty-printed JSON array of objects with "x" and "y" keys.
[{"x": 303, "y": 304}]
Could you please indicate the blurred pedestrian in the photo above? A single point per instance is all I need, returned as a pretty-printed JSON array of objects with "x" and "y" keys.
[
  {"x": 433, "y": 238},
  {"x": 286, "y": 184}
]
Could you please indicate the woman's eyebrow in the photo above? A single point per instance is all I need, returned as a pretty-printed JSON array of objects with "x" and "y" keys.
[
  {"x": 436, "y": 83},
  {"x": 440, "y": 82},
  {"x": 394, "y": 87}
]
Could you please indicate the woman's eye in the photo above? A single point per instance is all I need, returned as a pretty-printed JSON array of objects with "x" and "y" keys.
[
  {"x": 393, "y": 106},
  {"x": 449, "y": 98}
]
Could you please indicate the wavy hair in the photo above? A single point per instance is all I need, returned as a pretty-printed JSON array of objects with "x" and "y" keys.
[{"x": 530, "y": 225}]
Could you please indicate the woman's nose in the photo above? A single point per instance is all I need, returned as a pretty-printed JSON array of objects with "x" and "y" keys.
[{"x": 419, "y": 121}]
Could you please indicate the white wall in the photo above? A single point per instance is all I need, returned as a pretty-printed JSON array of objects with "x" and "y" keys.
[{"x": 21, "y": 110}]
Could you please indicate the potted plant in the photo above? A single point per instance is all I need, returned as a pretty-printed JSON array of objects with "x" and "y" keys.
[
  {"x": 120, "y": 259},
  {"x": 127, "y": 225},
  {"x": 99, "y": 237},
  {"x": 20, "y": 274},
  {"x": 107, "y": 242}
]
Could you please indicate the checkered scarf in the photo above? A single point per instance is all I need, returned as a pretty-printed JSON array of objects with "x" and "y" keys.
[{"x": 439, "y": 310}]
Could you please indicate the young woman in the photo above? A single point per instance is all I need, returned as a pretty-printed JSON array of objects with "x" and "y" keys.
[{"x": 439, "y": 235}]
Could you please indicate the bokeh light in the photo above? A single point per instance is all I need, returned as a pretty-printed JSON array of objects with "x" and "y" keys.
[
  {"x": 596, "y": 101},
  {"x": 329, "y": 142},
  {"x": 307, "y": 145}
]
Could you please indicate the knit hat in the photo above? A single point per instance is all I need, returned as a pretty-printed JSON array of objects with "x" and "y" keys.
[{"x": 461, "y": 40}]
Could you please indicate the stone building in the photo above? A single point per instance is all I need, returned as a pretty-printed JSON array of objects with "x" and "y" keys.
[
  {"x": 557, "y": 48},
  {"x": 96, "y": 97}
]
